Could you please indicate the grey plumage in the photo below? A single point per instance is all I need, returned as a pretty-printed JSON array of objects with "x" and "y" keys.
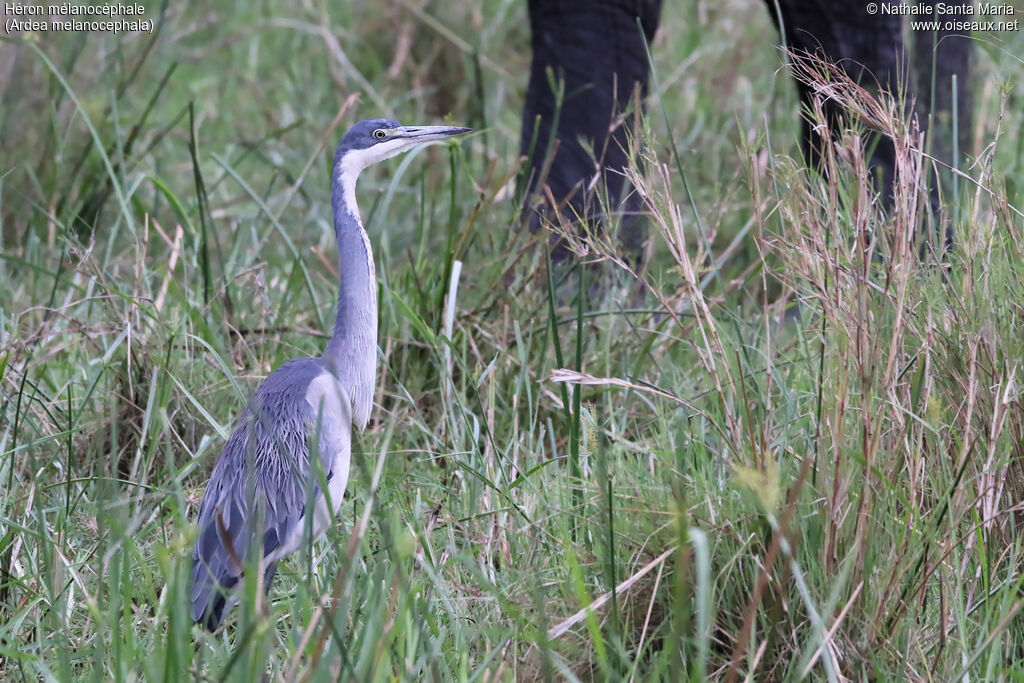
[
  {"x": 264, "y": 481},
  {"x": 270, "y": 441}
]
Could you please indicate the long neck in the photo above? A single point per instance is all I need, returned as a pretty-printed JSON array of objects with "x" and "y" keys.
[{"x": 351, "y": 353}]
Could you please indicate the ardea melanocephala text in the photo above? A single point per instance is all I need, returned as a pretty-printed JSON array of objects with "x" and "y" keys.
[{"x": 264, "y": 480}]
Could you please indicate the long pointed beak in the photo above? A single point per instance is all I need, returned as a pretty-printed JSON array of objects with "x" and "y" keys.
[{"x": 428, "y": 133}]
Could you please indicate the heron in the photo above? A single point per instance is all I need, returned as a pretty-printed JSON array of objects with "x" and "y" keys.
[{"x": 266, "y": 490}]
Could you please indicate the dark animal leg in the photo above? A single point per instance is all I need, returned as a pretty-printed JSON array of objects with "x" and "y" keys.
[
  {"x": 597, "y": 51},
  {"x": 869, "y": 48},
  {"x": 597, "y": 54}
]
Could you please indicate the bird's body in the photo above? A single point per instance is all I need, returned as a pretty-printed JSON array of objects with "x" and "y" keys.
[
  {"x": 265, "y": 481},
  {"x": 272, "y": 441}
]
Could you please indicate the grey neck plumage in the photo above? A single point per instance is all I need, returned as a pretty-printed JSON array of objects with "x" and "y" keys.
[{"x": 351, "y": 353}]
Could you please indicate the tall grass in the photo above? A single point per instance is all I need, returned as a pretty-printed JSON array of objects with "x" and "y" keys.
[{"x": 789, "y": 446}]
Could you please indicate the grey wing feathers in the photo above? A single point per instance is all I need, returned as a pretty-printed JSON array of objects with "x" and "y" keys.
[{"x": 271, "y": 440}]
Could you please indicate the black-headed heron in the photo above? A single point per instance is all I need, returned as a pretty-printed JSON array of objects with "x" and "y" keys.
[{"x": 264, "y": 481}]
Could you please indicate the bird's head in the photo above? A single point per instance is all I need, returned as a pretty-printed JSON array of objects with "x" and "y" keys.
[{"x": 375, "y": 140}]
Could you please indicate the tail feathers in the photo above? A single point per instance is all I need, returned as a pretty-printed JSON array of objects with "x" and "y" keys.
[
  {"x": 213, "y": 597},
  {"x": 210, "y": 594},
  {"x": 214, "y": 615}
]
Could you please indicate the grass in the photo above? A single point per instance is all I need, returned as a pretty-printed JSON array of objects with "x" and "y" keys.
[{"x": 734, "y": 491}]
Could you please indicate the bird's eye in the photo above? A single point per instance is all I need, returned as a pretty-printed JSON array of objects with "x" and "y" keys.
[{"x": 379, "y": 134}]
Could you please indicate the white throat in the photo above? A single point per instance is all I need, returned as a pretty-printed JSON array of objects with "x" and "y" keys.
[{"x": 355, "y": 161}]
